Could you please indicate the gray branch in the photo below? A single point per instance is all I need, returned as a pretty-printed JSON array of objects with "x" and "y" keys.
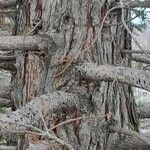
[
  {"x": 47, "y": 104},
  {"x": 8, "y": 3},
  {"x": 31, "y": 43},
  {"x": 132, "y": 140},
  {"x": 134, "y": 77},
  {"x": 7, "y": 58},
  {"x": 141, "y": 58}
]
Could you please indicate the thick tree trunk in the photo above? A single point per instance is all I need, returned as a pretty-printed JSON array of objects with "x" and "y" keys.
[{"x": 82, "y": 33}]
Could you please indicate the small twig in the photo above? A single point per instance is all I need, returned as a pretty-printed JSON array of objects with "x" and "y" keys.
[
  {"x": 53, "y": 137},
  {"x": 76, "y": 119},
  {"x": 36, "y": 26}
]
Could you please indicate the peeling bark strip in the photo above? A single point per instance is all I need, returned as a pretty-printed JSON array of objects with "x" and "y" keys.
[
  {"x": 134, "y": 77},
  {"x": 8, "y": 3},
  {"x": 31, "y": 43},
  {"x": 51, "y": 102}
]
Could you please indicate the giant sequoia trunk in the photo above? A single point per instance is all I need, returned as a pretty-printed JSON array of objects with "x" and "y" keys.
[{"x": 82, "y": 31}]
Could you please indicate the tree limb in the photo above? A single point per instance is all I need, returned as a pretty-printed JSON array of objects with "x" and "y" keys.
[
  {"x": 4, "y": 147},
  {"x": 31, "y": 43},
  {"x": 8, "y": 3},
  {"x": 7, "y": 58},
  {"x": 141, "y": 58},
  {"x": 136, "y": 3},
  {"x": 130, "y": 139},
  {"x": 49, "y": 103},
  {"x": 135, "y": 51},
  {"x": 134, "y": 77}
]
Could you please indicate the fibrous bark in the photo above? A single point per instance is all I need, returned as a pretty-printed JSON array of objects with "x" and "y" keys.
[{"x": 134, "y": 77}]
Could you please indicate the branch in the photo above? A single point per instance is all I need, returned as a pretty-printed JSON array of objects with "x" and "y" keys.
[
  {"x": 135, "y": 51},
  {"x": 50, "y": 103},
  {"x": 7, "y": 58},
  {"x": 31, "y": 43},
  {"x": 134, "y": 77},
  {"x": 4, "y": 147},
  {"x": 8, "y": 3},
  {"x": 138, "y": 3},
  {"x": 130, "y": 140},
  {"x": 140, "y": 58}
]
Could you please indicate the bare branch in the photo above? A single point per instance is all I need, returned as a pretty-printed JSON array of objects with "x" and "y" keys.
[
  {"x": 132, "y": 139},
  {"x": 134, "y": 77},
  {"x": 49, "y": 103},
  {"x": 31, "y": 43},
  {"x": 4, "y": 147},
  {"x": 136, "y": 3},
  {"x": 8, "y": 3},
  {"x": 141, "y": 58},
  {"x": 7, "y": 58},
  {"x": 135, "y": 51}
]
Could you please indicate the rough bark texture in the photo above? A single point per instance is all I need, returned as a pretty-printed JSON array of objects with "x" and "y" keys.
[
  {"x": 134, "y": 77},
  {"x": 82, "y": 34},
  {"x": 29, "y": 43},
  {"x": 20, "y": 119}
]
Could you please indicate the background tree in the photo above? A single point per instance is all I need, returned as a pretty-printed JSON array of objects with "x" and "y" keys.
[{"x": 69, "y": 55}]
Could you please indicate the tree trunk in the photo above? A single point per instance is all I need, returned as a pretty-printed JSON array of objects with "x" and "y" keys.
[{"x": 82, "y": 33}]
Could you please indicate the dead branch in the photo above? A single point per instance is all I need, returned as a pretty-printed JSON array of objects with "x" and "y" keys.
[
  {"x": 7, "y": 58},
  {"x": 140, "y": 58},
  {"x": 4, "y": 147},
  {"x": 134, "y": 77},
  {"x": 31, "y": 43},
  {"x": 8, "y": 3},
  {"x": 130, "y": 139},
  {"x": 135, "y": 51},
  {"x": 50, "y": 103}
]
